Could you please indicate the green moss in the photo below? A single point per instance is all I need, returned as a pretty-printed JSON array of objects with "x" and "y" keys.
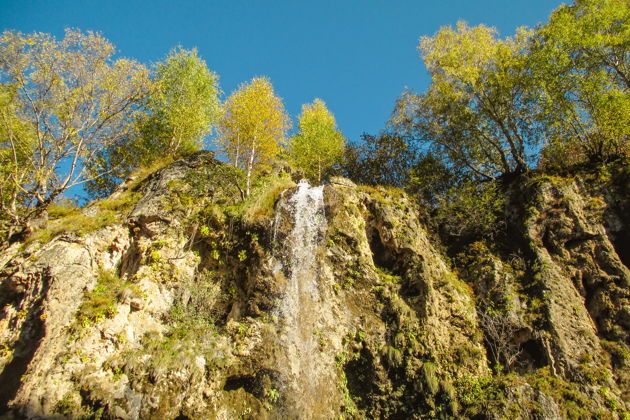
[
  {"x": 100, "y": 303},
  {"x": 64, "y": 218},
  {"x": 573, "y": 403},
  {"x": 68, "y": 405},
  {"x": 619, "y": 352},
  {"x": 429, "y": 378}
]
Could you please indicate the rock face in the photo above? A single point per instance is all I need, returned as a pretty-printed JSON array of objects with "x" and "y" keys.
[{"x": 315, "y": 303}]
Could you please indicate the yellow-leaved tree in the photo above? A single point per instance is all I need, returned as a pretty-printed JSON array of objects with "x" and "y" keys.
[
  {"x": 319, "y": 144},
  {"x": 253, "y": 125},
  {"x": 63, "y": 103}
]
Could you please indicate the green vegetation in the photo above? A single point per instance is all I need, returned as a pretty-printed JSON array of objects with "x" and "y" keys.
[
  {"x": 181, "y": 109},
  {"x": 70, "y": 101},
  {"x": 259, "y": 206},
  {"x": 319, "y": 144},
  {"x": 253, "y": 126},
  {"x": 379, "y": 160},
  {"x": 501, "y": 122},
  {"x": 100, "y": 303},
  {"x": 66, "y": 217}
]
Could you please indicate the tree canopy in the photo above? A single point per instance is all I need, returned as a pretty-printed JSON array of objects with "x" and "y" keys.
[
  {"x": 253, "y": 125},
  {"x": 384, "y": 159},
  {"x": 183, "y": 105},
  {"x": 480, "y": 109},
  {"x": 582, "y": 63},
  {"x": 319, "y": 144},
  {"x": 77, "y": 100}
]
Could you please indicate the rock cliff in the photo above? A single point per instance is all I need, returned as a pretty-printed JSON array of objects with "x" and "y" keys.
[{"x": 179, "y": 299}]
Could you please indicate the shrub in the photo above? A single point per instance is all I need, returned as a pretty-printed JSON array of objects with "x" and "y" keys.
[{"x": 472, "y": 211}]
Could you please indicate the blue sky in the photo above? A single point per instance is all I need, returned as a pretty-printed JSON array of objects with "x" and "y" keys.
[{"x": 358, "y": 56}]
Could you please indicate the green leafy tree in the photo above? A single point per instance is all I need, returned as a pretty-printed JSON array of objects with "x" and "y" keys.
[
  {"x": 582, "y": 62},
  {"x": 16, "y": 148},
  {"x": 480, "y": 110},
  {"x": 430, "y": 179},
  {"x": 78, "y": 101},
  {"x": 385, "y": 159},
  {"x": 179, "y": 112},
  {"x": 253, "y": 126},
  {"x": 319, "y": 144},
  {"x": 182, "y": 107}
]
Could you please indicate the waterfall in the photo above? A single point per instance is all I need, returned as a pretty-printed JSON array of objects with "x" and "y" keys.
[{"x": 299, "y": 308}]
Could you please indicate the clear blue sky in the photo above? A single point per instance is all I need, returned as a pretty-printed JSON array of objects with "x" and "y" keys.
[{"x": 358, "y": 56}]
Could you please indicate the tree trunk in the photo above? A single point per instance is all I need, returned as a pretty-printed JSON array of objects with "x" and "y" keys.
[
  {"x": 250, "y": 165},
  {"x": 319, "y": 171},
  {"x": 238, "y": 149}
]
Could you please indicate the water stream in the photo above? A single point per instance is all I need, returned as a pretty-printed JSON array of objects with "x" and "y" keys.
[{"x": 299, "y": 309}]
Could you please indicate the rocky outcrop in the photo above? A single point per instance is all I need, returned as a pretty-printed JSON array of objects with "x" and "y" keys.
[{"x": 194, "y": 304}]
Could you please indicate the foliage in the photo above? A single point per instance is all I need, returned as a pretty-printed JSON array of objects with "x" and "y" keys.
[
  {"x": 100, "y": 303},
  {"x": 182, "y": 108},
  {"x": 478, "y": 113},
  {"x": 430, "y": 179},
  {"x": 78, "y": 101},
  {"x": 259, "y": 205},
  {"x": 582, "y": 57},
  {"x": 471, "y": 211},
  {"x": 253, "y": 126},
  {"x": 319, "y": 144},
  {"x": 66, "y": 217},
  {"x": 384, "y": 159},
  {"x": 180, "y": 111},
  {"x": 17, "y": 144}
]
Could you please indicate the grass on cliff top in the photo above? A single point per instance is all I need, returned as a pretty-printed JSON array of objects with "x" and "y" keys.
[
  {"x": 70, "y": 218},
  {"x": 65, "y": 216},
  {"x": 258, "y": 208}
]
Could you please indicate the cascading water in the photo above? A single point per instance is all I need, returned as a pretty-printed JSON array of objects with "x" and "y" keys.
[{"x": 299, "y": 307}]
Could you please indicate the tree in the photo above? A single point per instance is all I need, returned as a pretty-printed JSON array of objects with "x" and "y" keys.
[
  {"x": 179, "y": 112},
  {"x": 77, "y": 99},
  {"x": 182, "y": 107},
  {"x": 480, "y": 110},
  {"x": 16, "y": 146},
  {"x": 319, "y": 144},
  {"x": 384, "y": 159},
  {"x": 582, "y": 63},
  {"x": 430, "y": 180},
  {"x": 253, "y": 125}
]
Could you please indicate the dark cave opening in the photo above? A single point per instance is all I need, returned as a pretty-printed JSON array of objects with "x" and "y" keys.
[
  {"x": 532, "y": 357},
  {"x": 247, "y": 382},
  {"x": 382, "y": 257}
]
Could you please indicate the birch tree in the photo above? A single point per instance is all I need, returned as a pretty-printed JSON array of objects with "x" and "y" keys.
[
  {"x": 76, "y": 98},
  {"x": 182, "y": 108},
  {"x": 319, "y": 144},
  {"x": 253, "y": 126}
]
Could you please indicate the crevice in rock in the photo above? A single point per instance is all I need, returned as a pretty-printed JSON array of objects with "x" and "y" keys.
[
  {"x": 236, "y": 382},
  {"x": 359, "y": 373},
  {"x": 532, "y": 357},
  {"x": 621, "y": 243},
  {"x": 381, "y": 256},
  {"x": 31, "y": 334},
  {"x": 256, "y": 384}
]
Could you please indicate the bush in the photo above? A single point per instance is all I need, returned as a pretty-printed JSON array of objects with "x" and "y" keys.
[{"x": 472, "y": 211}]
